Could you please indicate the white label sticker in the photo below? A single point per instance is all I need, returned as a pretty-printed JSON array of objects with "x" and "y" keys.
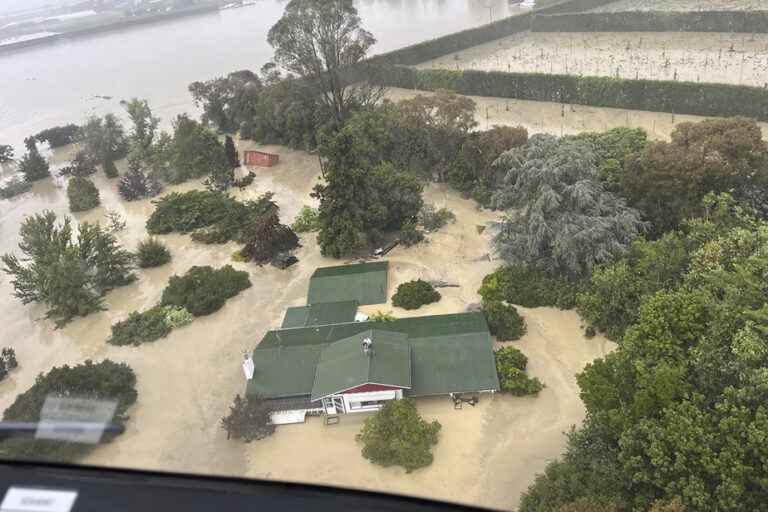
[
  {"x": 77, "y": 420},
  {"x": 26, "y": 499}
]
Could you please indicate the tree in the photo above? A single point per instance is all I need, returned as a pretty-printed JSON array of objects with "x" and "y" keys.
[
  {"x": 6, "y": 153},
  {"x": 104, "y": 140},
  {"x": 414, "y": 294},
  {"x": 504, "y": 321},
  {"x": 433, "y": 219},
  {"x": 228, "y": 102},
  {"x": 69, "y": 277},
  {"x": 612, "y": 148},
  {"x": 667, "y": 180},
  {"x": 58, "y": 136},
  {"x": 231, "y": 152},
  {"x": 7, "y": 362},
  {"x": 510, "y": 365},
  {"x": 82, "y": 193},
  {"x": 142, "y": 134},
  {"x": 106, "y": 380},
  {"x": 307, "y": 220},
  {"x": 397, "y": 436},
  {"x": 266, "y": 238},
  {"x": 136, "y": 185},
  {"x": 248, "y": 419},
  {"x": 81, "y": 166},
  {"x": 563, "y": 219},
  {"x": 318, "y": 40},
  {"x": 197, "y": 152},
  {"x": 32, "y": 165}
]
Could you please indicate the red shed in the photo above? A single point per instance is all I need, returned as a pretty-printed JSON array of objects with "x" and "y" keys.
[{"x": 260, "y": 159}]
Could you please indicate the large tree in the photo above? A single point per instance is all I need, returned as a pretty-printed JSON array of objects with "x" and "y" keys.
[
  {"x": 197, "y": 152},
  {"x": 560, "y": 218},
  {"x": 228, "y": 102},
  {"x": 104, "y": 139},
  {"x": 667, "y": 180},
  {"x": 68, "y": 275},
  {"x": 318, "y": 40}
]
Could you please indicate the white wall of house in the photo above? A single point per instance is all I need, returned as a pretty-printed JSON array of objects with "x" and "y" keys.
[{"x": 370, "y": 401}]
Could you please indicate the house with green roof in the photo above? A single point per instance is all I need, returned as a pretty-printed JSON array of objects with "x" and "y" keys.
[{"x": 323, "y": 361}]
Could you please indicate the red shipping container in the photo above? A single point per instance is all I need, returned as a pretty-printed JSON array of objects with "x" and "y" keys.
[{"x": 260, "y": 159}]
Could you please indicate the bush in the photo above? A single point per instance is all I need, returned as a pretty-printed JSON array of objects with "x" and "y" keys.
[
  {"x": 265, "y": 239},
  {"x": 382, "y": 317},
  {"x": 152, "y": 253},
  {"x": 58, "y": 135},
  {"x": 204, "y": 290},
  {"x": 33, "y": 166},
  {"x": 504, "y": 321},
  {"x": 414, "y": 294},
  {"x": 137, "y": 184},
  {"x": 110, "y": 169},
  {"x": 14, "y": 187},
  {"x": 176, "y": 317},
  {"x": 307, "y": 221},
  {"x": 140, "y": 328},
  {"x": 83, "y": 194},
  {"x": 397, "y": 436},
  {"x": 510, "y": 365},
  {"x": 410, "y": 235},
  {"x": 7, "y": 361},
  {"x": 433, "y": 219},
  {"x": 529, "y": 288},
  {"x": 248, "y": 419},
  {"x": 101, "y": 381}
]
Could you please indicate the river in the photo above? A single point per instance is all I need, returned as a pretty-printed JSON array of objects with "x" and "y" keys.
[{"x": 65, "y": 82}]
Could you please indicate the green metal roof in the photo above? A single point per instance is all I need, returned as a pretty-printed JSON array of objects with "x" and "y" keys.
[
  {"x": 365, "y": 282},
  {"x": 343, "y": 364},
  {"x": 323, "y": 313},
  {"x": 449, "y": 353}
]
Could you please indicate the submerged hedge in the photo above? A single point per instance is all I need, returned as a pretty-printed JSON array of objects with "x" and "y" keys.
[
  {"x": 659, "y": 96},
  {"x": 654, "y": 21}
]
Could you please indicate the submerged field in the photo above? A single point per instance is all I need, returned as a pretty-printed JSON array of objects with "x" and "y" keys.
[
  {"x": 682, "y": 5},
  {"x": 740, "y": 59},
  {"x": 487, "y": 455}
]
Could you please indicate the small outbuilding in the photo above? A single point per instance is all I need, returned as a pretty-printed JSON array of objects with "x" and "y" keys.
[
  {"x": 365, "y": 283},
  {"x": 260, "y": 159}
]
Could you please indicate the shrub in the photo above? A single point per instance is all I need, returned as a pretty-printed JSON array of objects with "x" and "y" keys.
[
  {"x": 152, "y": 253},
  {"x": 204, "y": 290},
  {"x": 382, "y": 317},
  {"x": 140, "y": 328},
  {"x": 414, "y": 294},
  {"x": 397, "y": 436},
  {"x": 115, "y": 221},
  {"x": 410, "y": 235},
  {"x": 177, "y": 317},
  {"x": 137, "y": 184},
  {"x": 7, "y": 361},
  {"x": 307, "y": 221},
  {"x": 58, "y": 136},
  {"x": 81, "y": 166},
  {"x": 504, "y": 321},
  {"x": 33, "y": 166},
  {"x": 510, "y": 365},
  {"x": 14, "y": 187},
  {"x": 433, "y": 219},
  {"x": 102, "y": 381},
  {"x": 6, "y": 153},
  {"x": 83, "y": 194},
  {"x": 529, "y": 288},
  {"x": 248, "y": 419},
  {"x": 110, "y": 169}
]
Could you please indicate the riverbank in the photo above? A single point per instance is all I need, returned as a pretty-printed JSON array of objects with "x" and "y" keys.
[{"x": 111, "y": 26}]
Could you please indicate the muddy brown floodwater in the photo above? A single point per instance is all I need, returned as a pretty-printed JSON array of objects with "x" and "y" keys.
[
  {"x": 487, "y": 455},
  {"x": 739, "y": 59}
]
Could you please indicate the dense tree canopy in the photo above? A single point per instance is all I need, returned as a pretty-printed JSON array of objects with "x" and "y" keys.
[
  {"x": 58, "y": 136},
  {"x": 562, "y": 219},
  {"x": 679, "y": 408},
  {"x": 67, "y": 275},
  {"x": 317, "y": 41},
  {"x": 228, "y": 102},
  {"x": 197, "y": 152},
  {"x": 667, "y": 180}
]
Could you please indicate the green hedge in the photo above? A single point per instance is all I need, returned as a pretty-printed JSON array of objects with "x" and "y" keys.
[
  {"x": 653, "y": 95},
  {"x": 654, "y": 21},
  {"x": 434, "y": 48}
]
